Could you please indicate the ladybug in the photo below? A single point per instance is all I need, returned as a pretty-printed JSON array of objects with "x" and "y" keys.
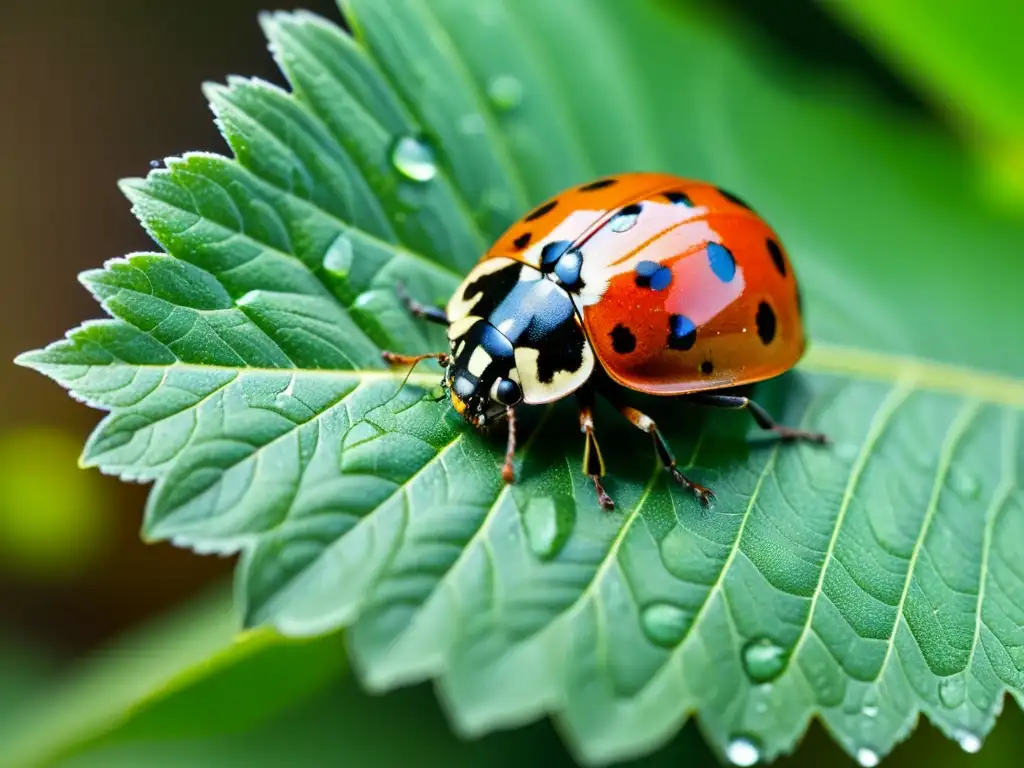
[{"x": 647, "y": 281}]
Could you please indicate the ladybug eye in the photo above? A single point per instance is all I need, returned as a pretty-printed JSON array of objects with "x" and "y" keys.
[{"x": 507, "y": 392}]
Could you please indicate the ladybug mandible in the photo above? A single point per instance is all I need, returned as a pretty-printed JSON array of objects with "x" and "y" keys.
[{"x": 663, "y": 285}]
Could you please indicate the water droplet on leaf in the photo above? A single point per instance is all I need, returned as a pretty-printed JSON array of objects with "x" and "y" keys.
[
  {"x": 763, "y": 660},
  {"x": 338, "y": 258},
  {"x": 870, "y": 710},
  {"x": 965, "y": 484},
  {"x": 866, "y": 757},
  {"x": 952, "y": 691},
  {"x": 413, "y": 159},
  {"x": 847, "y": 451},
  {"x": 548, "y": 522},
  {"x": 664, "y": 624},
  {"x": 743, "y": 750},
  {"x": 496, "y": 200},
  {"x": 505, "y": 92},
  {"x": 472, "y": 124},
  {"x": 968, "y": 742}
]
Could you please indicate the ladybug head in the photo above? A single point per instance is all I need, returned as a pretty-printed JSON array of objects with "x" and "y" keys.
[{"x": 481, "y": 378}]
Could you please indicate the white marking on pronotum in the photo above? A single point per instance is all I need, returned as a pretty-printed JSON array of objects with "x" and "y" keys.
[
  {"x": 459, "y": 306},
  {"x": 457, "y": 328},
  {"x": 562, "y": 383},
  {"x": 478, "y": 362}
]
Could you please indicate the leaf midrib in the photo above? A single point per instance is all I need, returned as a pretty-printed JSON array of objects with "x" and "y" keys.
[{"x": 918, "y": 374}]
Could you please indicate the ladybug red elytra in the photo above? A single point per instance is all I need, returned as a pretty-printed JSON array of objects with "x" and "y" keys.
[{"x": 647, "y": 281}]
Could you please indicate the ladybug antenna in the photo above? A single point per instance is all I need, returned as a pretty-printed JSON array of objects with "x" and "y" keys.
[{"x": 412, "y": 361}]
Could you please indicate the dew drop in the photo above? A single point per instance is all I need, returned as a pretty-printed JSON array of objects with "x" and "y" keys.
[
  {"x": 866, "y": 757},
  {"x": 870, "y": 710},
  {"x": 623, "y": 222},
  {"x": 338, "y": 258},
  {"x": 472, "y": 124},
  {"x": 968, "y": 742},
  {"x": 497, "y": 200},
  {"x": 548, "y": 521},
  {"x": 413, "y": 159},
  {"x": 965, "y": 484},
  {"x": 952, "y": 691},
  {"x": 743, "y": 750},
  {"x": 505, "y": 92},
  {"x": 847, "y": 451},
  {"x": 763, "y": 660},
  {"x": 664, "y": 624}
]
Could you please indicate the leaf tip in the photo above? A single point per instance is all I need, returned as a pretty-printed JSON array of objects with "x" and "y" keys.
[
  {"x": 271, "y": 21},
  {"x": 214, "y": 91},
  {"x": 131, "y": 187},
  {"x": 90, "y": 277},
  {"x": 28, "y": 359}
]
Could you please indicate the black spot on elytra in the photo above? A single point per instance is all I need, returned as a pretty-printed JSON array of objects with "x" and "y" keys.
[
  {"x": 721, "y": 261},
  {"x": 706, "y": 368},
  {"x": 522, "y": 241},
  {"x": 734, "y": 198},
  {"x": 765, "y": 322},
  {"x": 651, "y": 274},
  {"x": 599, "y": 184},
  {"x": 777, "y": 258},
  {"x": 679, "y": 198},
  {"x": 682, "y": 333},
  {"x": 536, "y": 213},
  {"x": 623, "y": 340}
]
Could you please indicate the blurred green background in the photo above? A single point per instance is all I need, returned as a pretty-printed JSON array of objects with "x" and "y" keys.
[{"x": 92, "y": 619}]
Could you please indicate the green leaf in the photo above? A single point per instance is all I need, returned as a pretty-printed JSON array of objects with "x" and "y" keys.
[
  {"x": 966, "y": 59},
  {"x": 863, "y": 584},
  {"x": 187, "y": 675}
]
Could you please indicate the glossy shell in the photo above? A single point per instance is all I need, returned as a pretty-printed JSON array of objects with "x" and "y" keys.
[{"x": 681, "y": 286}]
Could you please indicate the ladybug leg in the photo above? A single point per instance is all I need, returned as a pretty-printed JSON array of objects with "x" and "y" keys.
[
  {"x": 508, "y": 472},
  {"x": 593, "y": 463},
  {"x": 433, "y": 314},
  {"x": 764, "y": 421},
  {"x": 645, "y": 423}
]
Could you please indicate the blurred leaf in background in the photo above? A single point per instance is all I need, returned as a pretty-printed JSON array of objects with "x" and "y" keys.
[
  {"x": 185, "y": 676},
  {"x": 55, "y": 519},
  {"x": 968, "y": 59}
]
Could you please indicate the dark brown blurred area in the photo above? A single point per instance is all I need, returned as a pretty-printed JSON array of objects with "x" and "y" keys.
[{"x": 93, "y": 92}]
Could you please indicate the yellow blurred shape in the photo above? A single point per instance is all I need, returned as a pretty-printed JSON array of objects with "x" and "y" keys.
[
  {"x": 1004, "y": 174},
  {"x": 54, "y": 517}
]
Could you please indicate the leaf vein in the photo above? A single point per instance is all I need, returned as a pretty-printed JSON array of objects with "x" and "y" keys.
[
  {"x": 879, "y": 422},
  {"x": 957, "y": 429}
]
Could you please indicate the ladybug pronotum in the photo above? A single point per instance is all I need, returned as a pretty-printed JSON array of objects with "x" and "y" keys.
[{"x": 659, "y": 284}]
